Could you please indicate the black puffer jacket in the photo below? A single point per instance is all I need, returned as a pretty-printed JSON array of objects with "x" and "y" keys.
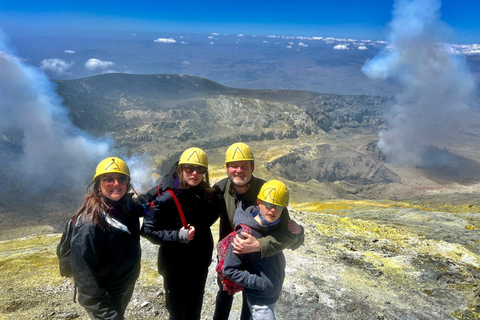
[
  {"x": 106, "y": 263},
  {"x": 162, "y": 225}
]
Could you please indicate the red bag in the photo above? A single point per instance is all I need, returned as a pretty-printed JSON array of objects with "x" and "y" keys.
[{"x": 222, "y": 249}]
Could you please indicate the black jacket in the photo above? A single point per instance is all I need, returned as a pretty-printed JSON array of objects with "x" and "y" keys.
[
  {"x": 107, "y": 262},
  {"x": 162, "y": 225}
]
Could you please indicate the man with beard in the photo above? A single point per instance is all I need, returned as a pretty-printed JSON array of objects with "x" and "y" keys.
[{"x": 242, "y": 185}]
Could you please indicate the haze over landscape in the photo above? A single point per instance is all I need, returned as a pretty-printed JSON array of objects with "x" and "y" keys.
[{"x": 369, "y": 111}]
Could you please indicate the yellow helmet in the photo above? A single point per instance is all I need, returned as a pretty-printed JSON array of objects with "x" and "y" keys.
[
  {"x": 194, "y": 156},
  {"x": 112, "y": 165},
  {"x": 274, "y": 192},
  {"x": 238, "y": 152}
]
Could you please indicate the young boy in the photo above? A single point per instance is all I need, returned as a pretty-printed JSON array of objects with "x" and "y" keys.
[{"x": 261, "y": 277}]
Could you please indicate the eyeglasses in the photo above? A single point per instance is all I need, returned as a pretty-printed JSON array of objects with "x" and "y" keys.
[
  {"x": 269, "y": 206},
  {"x": 198, "y": 169},
  {"x": 110, "y": 180},
  {"x": 244, "y": 167}
]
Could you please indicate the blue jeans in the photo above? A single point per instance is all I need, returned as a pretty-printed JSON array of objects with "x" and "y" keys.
[{"x": 264, "y": 312}]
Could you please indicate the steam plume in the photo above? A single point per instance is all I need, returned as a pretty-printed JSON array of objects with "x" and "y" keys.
[
  {"x": 54, "y": 152},
  {"x": 435, "y": 85}
]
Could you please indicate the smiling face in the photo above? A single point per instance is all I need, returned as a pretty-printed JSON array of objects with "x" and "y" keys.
[
  {"x": 240, "y": 172},
  {"x": 270, "y": 215},
  {"x": 191, "y": 175},
  {"x": 113, "y": 185}
]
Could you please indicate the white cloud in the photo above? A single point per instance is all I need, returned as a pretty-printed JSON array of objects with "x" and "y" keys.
[
  {"x": 240, "y": 35},
  {"x": 165, "y": 40},
  {"x": 288, "y": 47},
  {"x": 93, "y": 64},
  {"x": 265, "y": 41},
  {"x": 215, "y": 34},
  {"x": 69, "y": 51},
  {"x": 185, "y": 62},
  {"x": 210, "y": 37},
  {"x": 109, "y": 71},
  {"x": 184, "y": 42},
  {"x": 340, "y": 47},
  {"x": 210, "y": 43},
  {"x": 58, "y": 66},
  {"x": 272, "y": 37},
  {"x": 301, "y": 44},
  {"x": 362, "y": 48},
  {"x": 466, "y": 49}
]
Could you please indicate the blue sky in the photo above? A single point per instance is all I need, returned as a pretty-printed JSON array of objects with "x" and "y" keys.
[{"x": 341, "y": 18}]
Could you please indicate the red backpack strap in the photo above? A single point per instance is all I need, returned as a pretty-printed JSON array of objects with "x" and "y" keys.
[{"x": 179, "y": 208}]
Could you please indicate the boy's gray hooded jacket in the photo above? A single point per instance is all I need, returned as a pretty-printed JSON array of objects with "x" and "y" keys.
[{"x": 261, "y": 277}]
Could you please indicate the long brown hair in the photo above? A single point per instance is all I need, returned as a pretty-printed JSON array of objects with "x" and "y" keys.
[
  {"x": 204, "y": 184},
  {"x": 95, "y": 204}
]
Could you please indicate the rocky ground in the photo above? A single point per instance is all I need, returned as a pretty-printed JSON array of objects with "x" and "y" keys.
[{"x": 360, "y": 260}]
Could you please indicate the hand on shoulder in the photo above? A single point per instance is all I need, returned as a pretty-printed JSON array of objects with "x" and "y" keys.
[{"x": 246, "y": 245}]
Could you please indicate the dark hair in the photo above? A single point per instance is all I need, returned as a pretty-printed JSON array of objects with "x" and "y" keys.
[
  {"x": 204, "y": 184},
  {"x": 95, "y": 204}
]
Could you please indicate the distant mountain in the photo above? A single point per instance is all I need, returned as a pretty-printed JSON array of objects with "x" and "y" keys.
[
  {"x": 322, "y": 145},
  {"x": 148, "y": 111},
  {"x": 300, "y": 136}
]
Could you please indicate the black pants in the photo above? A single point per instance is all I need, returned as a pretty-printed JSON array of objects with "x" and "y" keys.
[
  {"x": 223, "y": 305},
  {"x": 184, "y": 292},
  {"x": 107, "y": 306}
]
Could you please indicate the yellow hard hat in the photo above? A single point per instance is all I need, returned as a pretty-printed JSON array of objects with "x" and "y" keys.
[
  {"x": 194, "y": 156},
  {"x": 238, "y": 152},
  {"x": 112, "y": 165},
  {"x": 274, "y": 192}
]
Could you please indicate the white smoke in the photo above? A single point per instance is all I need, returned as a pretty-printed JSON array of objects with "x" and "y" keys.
[
  {"x": 435, "y": 85},
  {"x": 54, "y": 153},
  {"x": 141, "y": 172}
]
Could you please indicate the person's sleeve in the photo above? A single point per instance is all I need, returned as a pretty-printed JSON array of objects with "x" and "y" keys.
[
  {"x": 300, "y": 240},
  {"x": 233, "y": 269},
  {"x": 281, "y": 238},
  {"x": 152, "y": 223},
  {"x": 219, "y": 208},
  {"x": 87, "y": 252},
  {"x": 147, "y": 197}
]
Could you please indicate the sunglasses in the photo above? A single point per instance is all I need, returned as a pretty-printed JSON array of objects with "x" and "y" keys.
[
  {"x": 110, "y": 180},
  {"x": 271, "y": 206},
  {"x": 198, "y": 169}
]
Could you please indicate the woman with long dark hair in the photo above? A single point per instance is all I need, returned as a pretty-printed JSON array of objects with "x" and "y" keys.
[
  {"x": 185, "y": 251},
  {"x": 106, "y": 242}
]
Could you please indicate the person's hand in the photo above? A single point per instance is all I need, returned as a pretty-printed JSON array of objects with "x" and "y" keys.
[
  {"x": 191, "y": 233},
  {"x": 246, "y": 245},
  {"x": 294, "y": 227}
]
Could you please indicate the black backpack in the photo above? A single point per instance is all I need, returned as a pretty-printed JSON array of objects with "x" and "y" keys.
[{"x": 64, "y": 251}]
